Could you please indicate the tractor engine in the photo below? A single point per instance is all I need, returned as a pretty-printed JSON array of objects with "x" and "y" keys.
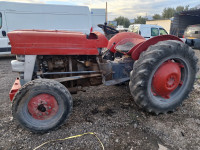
[{"x": 74, "y": 72}]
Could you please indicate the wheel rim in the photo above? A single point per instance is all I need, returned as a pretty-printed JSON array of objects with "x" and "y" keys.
[
  {"x": 166, "y": 79},
  {"x": 43, "y": 106},
  {"x": 181, "y": 82}
]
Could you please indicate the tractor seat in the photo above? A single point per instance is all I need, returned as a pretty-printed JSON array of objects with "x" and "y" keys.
[{"x": 126, "y": 47}]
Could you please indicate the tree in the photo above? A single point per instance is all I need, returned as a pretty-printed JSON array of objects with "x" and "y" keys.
[
  {"x": 168, "y": 13},
  {"x": 140, "y": 20},
  {"x": 180, "y": 8},
  {"x": 122, "y": 21},
  {"x": 194, "y": 8},
  {"x": 111, "y": 25},
  {"x": 186, "y": 8},
  {"x": 157, "y": 17}
]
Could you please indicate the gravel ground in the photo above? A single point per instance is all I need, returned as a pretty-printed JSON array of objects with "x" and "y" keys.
[
  {"x": 112, "y": 114},
  {"x": 197, "y": 52}
]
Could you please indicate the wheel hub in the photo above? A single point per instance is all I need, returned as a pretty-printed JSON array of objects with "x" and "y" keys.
[
  {"x": 166, "y": 79},
  {"x": 43, "y": 106}
]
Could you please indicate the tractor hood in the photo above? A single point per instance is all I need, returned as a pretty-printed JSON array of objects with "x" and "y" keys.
[{"x": 44, "y": 42}]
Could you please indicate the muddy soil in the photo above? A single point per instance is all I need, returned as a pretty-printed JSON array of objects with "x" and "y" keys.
[{"x": 109, "y": 112}]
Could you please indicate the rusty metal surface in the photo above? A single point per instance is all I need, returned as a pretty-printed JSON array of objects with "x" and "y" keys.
[
  {"x": 124, "y": 47},
  {"x": 64, "y": 79},
  {"x": 72, "y": 72}
]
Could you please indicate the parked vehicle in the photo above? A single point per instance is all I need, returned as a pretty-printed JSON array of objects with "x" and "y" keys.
[
  {"x": 161, "y": 72},
  {"x": 97, "y": 17},
  {"x": 18, "y": 16},
  {"x": 192, "y": 36},
  {"x": 147, "y": 31}
]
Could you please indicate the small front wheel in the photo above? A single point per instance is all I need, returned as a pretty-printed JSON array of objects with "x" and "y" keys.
[{"x": 42, "y": 105}]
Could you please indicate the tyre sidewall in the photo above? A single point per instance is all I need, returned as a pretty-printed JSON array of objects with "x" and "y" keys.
[
  {"x": 145, "y": 67},
  {"x": 25, "y": 119},
  {"x": 176, "y": 101}
]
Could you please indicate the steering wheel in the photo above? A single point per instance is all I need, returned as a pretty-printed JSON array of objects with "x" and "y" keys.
[{"x": 107, "y": 29}]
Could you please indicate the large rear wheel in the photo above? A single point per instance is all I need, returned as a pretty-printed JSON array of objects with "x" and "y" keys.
[
  {"x": 163, "y": 76},
  {"x": 42, "y": 105}
]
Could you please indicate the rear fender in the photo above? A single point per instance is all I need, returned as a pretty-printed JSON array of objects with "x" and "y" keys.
[
  {"x": 139, "y": 48},
  {"x": 134, "y": 38}
]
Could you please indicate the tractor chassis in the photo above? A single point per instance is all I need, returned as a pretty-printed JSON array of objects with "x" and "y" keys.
[{"x": 110, "y": 72}]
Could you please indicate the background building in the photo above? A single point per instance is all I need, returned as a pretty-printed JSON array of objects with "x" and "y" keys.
[{"x": 166, "y": 24}]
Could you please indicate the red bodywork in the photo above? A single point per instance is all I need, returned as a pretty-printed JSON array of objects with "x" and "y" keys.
[
  {"x": 140, "y": 43},
  {"x": 42, "y": 42},
  {"x": 133, "y": 37},
  {"x": 16, "y": 86},
  {"x": 138, "y": 49}
]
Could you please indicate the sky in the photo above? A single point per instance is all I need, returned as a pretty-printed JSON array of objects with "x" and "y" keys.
[{"x": 126, "y": 8}]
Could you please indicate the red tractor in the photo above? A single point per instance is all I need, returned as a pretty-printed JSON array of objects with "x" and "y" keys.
[{"x": 54, "y": 64}]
